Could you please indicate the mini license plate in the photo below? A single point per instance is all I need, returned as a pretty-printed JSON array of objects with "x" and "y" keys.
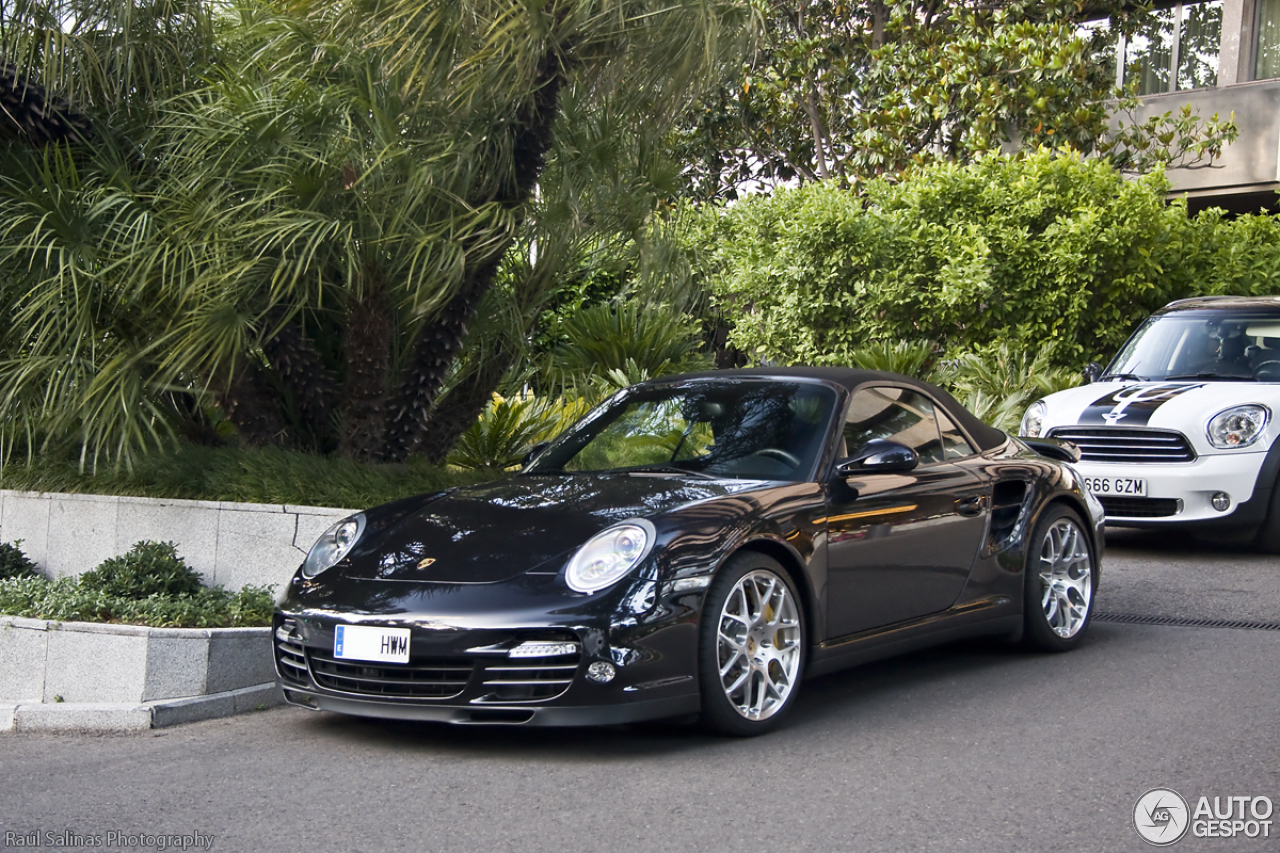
[
  {"x": 1128, "y": 486},
  {"x": 367, "y": 642}
]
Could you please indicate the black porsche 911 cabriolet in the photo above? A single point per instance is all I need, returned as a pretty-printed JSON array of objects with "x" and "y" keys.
[{"x": 696, "y": 545}]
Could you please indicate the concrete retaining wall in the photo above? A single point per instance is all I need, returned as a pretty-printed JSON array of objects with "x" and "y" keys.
[
  {"x": 229, "y": 544},
  {"x": 45, "y": 661}
]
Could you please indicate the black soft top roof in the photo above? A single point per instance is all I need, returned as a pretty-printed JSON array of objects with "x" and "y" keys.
[{"x": 984, "y": 435}]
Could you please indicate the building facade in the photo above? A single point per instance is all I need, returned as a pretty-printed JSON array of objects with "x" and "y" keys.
[{"x": 1218, "y": 56}]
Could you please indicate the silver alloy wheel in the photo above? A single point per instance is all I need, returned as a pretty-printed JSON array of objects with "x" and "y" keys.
[
  {"x": 758, "y": 645},
  {"x": 1066, "y": 578}
]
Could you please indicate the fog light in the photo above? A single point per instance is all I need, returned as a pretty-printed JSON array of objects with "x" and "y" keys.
[
  {"x": 601, "y": 672},
  {"x": 1221, "y": 501}
]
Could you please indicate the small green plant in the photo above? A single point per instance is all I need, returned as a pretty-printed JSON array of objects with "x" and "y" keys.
[
  {"x": 67, "y": 600},
  {"x": 508, "y": 427},
  {"x": 14, "y": 563},
  {"x": 150, "y": 568}
]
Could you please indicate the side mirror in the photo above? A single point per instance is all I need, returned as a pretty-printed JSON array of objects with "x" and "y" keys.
[
  {"x": 878, "y": 456},
  {"x": 1091, "y": 372},
  {"x": 533, "y": 453}
]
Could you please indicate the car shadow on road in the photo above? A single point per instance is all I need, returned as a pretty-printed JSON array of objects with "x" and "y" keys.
[{"x": 825, "y": 700}]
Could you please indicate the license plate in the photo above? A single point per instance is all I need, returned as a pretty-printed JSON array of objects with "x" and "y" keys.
[
  {"x": 1128, "y": 486},
  {"x": 366, "y": 642}
]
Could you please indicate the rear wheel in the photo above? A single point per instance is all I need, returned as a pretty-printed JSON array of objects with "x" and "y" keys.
[
  {"x": 751, "y": 649},
  {"x": 1061, "y": 577}
]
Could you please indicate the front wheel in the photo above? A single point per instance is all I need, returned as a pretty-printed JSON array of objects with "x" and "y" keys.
[
  {"x": 751, "y": 649},
  {"x": 1061, "y": 578}
]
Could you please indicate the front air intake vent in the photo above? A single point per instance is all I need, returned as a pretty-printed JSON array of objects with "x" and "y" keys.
[{"x": 421, "y": 680}]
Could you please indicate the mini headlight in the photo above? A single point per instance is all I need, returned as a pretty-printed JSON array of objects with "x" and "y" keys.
[
  {"x": 1238, "y": 427},
  {"x": 334, "y": 544},
  {"x": 1033, "y": 420},
  {"x": 609, "y": 555}
]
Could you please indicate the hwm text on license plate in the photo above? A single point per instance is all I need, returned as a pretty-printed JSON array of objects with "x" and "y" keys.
[
  {"x": 1132, "y": 486},
  {"x": 369, "y": 642}
]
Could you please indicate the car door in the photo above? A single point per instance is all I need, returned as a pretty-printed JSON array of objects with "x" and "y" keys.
[{"x": 902, "y": 545}]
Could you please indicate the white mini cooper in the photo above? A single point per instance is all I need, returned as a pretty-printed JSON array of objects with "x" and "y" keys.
[{"x": 1179, "y": 429}]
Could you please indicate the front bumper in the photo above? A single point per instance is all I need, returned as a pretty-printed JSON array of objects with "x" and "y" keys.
[
  {"x": 464, "y": 673},
  {"x": 1181, "y": 493}
]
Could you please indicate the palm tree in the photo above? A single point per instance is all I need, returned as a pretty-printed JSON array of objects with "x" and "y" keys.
[{"x": 293, "y": 215}]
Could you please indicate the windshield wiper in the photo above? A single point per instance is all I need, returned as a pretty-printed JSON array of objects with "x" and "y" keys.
[
  {"x": 1121, "y": 376},
  {"x": 668, "y": 469},
  {"x": 1235, "y": 377}
]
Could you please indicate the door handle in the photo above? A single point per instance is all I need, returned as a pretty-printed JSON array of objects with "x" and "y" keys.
[{"x": 971, "y": 506}]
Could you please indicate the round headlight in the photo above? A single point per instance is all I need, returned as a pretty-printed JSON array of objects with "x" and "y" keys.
[
  {"x": 1237, "y": 427},
  {"x": 609, "y": 555},
  {"x": 334, "y": 544},
  {"x": 1033, "y": 421}
]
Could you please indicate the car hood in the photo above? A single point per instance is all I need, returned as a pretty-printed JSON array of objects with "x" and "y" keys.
[
  {"x": 1185, "y": 407},
  {"x": 494, "y": 532}
]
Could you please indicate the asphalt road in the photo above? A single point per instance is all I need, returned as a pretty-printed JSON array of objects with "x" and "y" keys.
[{"x": 976, "y": 747}]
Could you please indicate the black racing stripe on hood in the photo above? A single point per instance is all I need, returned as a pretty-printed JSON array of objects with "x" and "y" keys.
[{"x": 1133, "y": 405}]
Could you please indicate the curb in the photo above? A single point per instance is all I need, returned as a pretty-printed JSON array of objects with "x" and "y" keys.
[{"x": 126, "y": 717}]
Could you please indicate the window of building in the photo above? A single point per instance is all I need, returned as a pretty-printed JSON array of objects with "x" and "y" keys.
[
  {"x": 1266, "y": 56},
  {"x": 1177, "y": 51}
]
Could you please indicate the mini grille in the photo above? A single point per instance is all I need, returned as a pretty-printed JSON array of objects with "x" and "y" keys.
[
  {"x": 528, "y": 681},
  {"x": 422, "y": 680},
  {"x": 1107, "y": 444},
  {"x": 291, "y": 662},
  {"x": 1139, "y": 507}
]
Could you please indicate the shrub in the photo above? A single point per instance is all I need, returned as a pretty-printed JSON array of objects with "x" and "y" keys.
[
  {"x": 14, "y": 563},
  {"x": 509, "y": 427},
  {"x": 66, "y": 599},
  {"x": 150, "y": 568},
  {"x": 1044, "y": 252}
]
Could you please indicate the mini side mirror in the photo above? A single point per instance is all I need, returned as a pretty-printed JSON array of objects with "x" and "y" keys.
[
  {"x": 1091, "y": 372},
  {"x": 878, "y": 456}
]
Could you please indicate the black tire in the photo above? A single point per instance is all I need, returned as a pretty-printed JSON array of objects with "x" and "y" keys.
[
  {"x": 1267, "y": 539},
  {"x": 1060, "y": 582},
  {"x": 764, "y": 654}
]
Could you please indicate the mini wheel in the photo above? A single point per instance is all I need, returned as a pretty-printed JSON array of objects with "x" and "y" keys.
[
  {"x": 1061, "y": 579},
  {"x": 751, "y": 650}
]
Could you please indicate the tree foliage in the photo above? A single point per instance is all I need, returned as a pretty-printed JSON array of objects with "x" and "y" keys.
[
  {"x": 292, "y": 213},
  {"x": 853, "y": 89},
  {"x": 1047, "y": 251}
]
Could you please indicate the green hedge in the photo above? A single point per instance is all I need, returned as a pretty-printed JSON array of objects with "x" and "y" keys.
[{"x": 1043, "y": 251}]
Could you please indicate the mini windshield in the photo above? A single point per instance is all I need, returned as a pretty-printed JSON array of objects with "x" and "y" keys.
[
  {"x": 1202, "y": 345},
  {"x": 747, "y": 429}
]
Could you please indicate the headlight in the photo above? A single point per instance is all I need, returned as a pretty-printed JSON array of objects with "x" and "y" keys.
[
  {"x": 334, "y": 544},
  {"x": 1033, "y": 421},
  {"x": 609, "y": 555},
  {"x": 1238, "y": 427}
]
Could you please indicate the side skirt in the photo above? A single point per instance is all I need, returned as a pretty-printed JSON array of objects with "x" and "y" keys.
[{"x": 997, "y": 615}]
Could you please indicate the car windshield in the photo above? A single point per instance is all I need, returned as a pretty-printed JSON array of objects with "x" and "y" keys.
[
  {"x": 746, "y": 429},
  {"x": 1203, "y": 345}
]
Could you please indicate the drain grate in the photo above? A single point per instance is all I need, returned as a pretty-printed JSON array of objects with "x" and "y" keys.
[{"x": 1184, "y": 622}]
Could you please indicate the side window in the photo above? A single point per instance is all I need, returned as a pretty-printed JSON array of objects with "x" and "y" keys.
[
  {"x": 895, "y": 414},
  {"x": 954, "y": 444}
]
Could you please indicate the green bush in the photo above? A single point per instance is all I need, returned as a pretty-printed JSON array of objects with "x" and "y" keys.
[
  {"x": 1043, "y": 253},
  {"x": 267, "y": 475},
  {"x": 14, "y": 563},
  {"x": 149, "y": 569},
  {"x": 67, "y": 600}
]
